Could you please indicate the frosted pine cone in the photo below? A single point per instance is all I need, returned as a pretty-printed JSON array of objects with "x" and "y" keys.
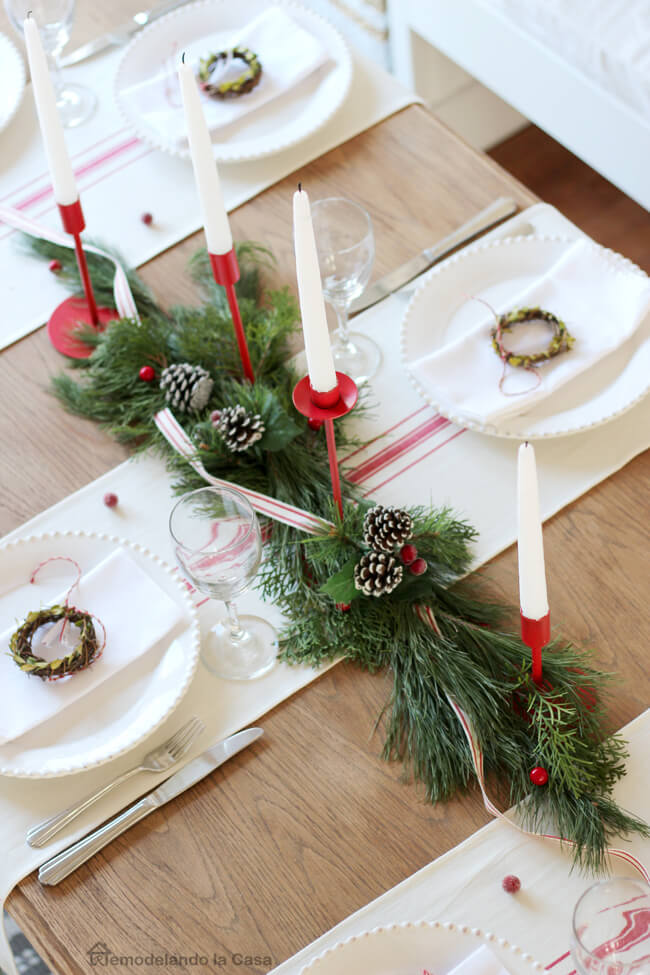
[
  {"x": 239, "y": 429},
  {"x": 377, "y": 574},
  {"x": 386, "y": 528},
  {"x": 186, "y": 387}
]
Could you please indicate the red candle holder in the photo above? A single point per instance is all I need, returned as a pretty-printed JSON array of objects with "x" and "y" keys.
[
  {"x": 324, "y": 408},
  {"x": 536, "y": 634},
  {"x": 73, "y": 312},
  {"x": 225, "y": 271}
]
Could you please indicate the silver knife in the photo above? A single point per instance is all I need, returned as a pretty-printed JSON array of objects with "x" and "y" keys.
[
  {"x": 494, "y": 214},
  {"x": 113, "y": 38},
  {"x": 56, "y": 869}
]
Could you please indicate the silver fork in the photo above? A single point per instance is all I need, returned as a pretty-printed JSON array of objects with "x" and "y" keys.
[{"x": 157, "y": 760}]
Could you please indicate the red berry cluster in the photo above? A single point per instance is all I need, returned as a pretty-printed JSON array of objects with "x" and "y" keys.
[{"x": 409, "y": 556}]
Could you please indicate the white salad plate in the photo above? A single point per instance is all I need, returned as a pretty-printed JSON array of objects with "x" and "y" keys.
[
  {"x": 123, "y": 710},
  {"x": 12, "y": 73},
  {"x": 416, "y": 947},
  {"x": 274, "y": 126},
  {"x": 443, "y": 309}
]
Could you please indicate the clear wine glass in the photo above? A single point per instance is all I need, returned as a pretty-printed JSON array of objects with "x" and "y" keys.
[
  {"x": 611, "y": 929},
  {"x": 75, "y": 103},
  {"x": 346, "y": 250},
  {"x": 218, "y": 546}
]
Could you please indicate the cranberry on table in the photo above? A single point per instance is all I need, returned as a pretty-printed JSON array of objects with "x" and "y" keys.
[
  {"x": 110, "y": 499},
  {"x": 511, "y": 884},
  {"x": 147, "y": 219}
]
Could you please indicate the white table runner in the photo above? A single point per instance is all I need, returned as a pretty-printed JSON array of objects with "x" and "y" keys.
[
  {"x": 120, "y": 178},
  {"x": 413, "y": 456},
  {"x": 464, "y": 885}
]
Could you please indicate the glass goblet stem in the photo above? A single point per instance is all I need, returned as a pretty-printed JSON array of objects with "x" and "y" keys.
[
  {"x": 237, "y": 632},
  {"x": 343, "y": 326}
]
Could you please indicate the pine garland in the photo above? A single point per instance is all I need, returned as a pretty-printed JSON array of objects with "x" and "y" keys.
[{"x": 468, "y": 655}]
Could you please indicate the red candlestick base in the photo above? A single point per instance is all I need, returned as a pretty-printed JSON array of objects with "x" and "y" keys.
[
  {"x": 73, "y": 312},
  {"x": 225, "y": 271},
  {"x": 325, "y": 408},
  {"x": 536, "y": 634}
]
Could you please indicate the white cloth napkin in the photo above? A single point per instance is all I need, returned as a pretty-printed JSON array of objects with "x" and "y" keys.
[
  {"x": 601, "y": 299},
  {"x": 287, "y": 52},
  {"x": 483, "y": 961},
  {"x": 136, "y": 612}
]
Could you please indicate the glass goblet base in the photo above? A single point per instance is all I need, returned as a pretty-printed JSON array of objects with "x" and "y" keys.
[
  {"x": 359, "y": 357},
  {"x": 75, "y": 104},
  {"x": 245, "y": 659}
]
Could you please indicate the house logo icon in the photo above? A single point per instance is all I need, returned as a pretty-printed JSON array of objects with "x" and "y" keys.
[{"x": 99, "y": 954}]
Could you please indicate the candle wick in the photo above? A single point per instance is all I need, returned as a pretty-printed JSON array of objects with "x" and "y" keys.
[
  {"x": 29, "y": 13},
  {"x": 183, "y": 57},
  {"x": 299, "y": 187}
]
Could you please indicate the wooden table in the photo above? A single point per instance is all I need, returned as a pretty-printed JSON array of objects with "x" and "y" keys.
[{"x": 309, "y": 824}]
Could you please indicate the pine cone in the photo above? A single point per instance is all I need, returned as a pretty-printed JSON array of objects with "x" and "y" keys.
[
  {"x": 386, "y": 528},
  {"x": 187, "y": 387},
  {"x": 377, "y": 574},
  {"x": 238, "y": 428}
]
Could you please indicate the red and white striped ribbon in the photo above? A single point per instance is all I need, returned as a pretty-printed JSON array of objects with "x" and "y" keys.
[
  {"x": 124, "y": 301},
  {"x": 176, "y": 436},
  {"x": 426, "y": 615}
]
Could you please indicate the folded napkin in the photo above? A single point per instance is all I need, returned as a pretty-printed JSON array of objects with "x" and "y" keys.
[
  {"x": 601, "y": 299},
  {"x": 136, "y": 613},
  {"x": 483, "y": 961},
  {"x": 287, "y": 52}
]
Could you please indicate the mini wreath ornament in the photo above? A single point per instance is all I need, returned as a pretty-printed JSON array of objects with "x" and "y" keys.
[
  {"x": 87, "y": 649},
  {"x": 241, "y": 85},
  {"x": 561, "y": 340}
]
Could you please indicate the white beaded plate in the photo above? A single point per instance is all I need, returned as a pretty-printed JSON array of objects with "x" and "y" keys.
[
  {"x": 121, "y": 711},
  {"x": 274, "y": 126},
  {"x": 410, "y": 948},
  {"x": 441, "y": 310}
]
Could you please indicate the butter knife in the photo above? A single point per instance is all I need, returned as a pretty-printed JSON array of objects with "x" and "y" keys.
[
  {"x": 492, "y": 215},
  {"x": 58, "y": 867},
  {"x": 121, "y": 34}
]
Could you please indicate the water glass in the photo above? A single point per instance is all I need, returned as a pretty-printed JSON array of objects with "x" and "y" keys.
[
  {"x": 611, "y": 929},
  {"x": 218, "y": 546},
  {"x": 74, "y": 103},
  {"x": 346, "y": 251}
]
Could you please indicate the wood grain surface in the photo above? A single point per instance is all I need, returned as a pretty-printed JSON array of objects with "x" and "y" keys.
[{"x": 309, "y": 824}]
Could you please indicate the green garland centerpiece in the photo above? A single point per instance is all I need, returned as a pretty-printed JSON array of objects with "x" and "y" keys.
[{"x": 379, "y": 586}]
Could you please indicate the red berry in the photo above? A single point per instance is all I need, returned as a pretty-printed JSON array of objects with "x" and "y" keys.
[
  {"x": 538, "y": 775},
  {"x": 147, "y": 374},
  {"x": 511, "y": 884},
  {"x": 314, "y": 424},
  {"x": 110, "y": 499},
  {"x": 147, "y": 219},
  {"x": 214, "y": 417},
  {"x": 408, "y": 554},
  {"x": 55, "y": 266},
  {"x": 344, "y": 607},
  {"x": 418, "y": 567}
]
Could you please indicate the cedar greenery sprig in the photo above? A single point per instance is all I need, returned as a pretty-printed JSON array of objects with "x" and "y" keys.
[{"x": 469, "y": 655}]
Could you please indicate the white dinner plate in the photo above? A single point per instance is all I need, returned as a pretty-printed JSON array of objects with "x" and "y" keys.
[
  {"x": 130, "y": 705},
  {"x": 274, "y": 126},
  {"x": 413, "y": 947},
  {"x": 12, "y": 73},
  {"x": 442, "y": 310}
]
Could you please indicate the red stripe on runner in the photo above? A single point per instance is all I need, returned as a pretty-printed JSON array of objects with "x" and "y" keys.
[
  {"x": 80, "y": 171},
  {"x": 402, "y": 446},
  {"x": 385, "y": 433},
  {"x": 414, "y": 463},
  {"x": 75, "y": 155},
  {"x": 557, "y": 961}
]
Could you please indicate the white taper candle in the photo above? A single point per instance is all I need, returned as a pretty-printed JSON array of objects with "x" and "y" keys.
[
  {"x": 533, "y": 599},
  {"x": 215, "y": 219},
  {"x": 320, "y": 363},
  {"x": 63, "y": 181}
]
